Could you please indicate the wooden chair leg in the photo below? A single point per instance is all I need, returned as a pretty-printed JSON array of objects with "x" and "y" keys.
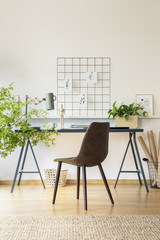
[
  {"x": 105, "y": 182},
  {"x": 57, "y": 180},
  {"x": 84, "y": 186},
  {"x": 78, "y": 181}
]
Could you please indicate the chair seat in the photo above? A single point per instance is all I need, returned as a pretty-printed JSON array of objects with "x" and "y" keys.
[
  {"x": 77, "y": 161},
  {"x": 71, "y": 160}
]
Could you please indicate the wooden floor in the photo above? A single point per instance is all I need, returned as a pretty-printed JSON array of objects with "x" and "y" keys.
[{"x": 34, "y": 200}]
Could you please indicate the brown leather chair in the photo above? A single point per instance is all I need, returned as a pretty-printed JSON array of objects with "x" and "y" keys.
[{"x": 93, "y": 152}]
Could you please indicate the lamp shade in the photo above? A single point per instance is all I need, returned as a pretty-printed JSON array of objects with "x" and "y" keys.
[{"x": 50, "y": 98}]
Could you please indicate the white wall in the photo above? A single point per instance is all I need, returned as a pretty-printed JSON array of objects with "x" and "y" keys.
[{"x": 34, "y": 33}]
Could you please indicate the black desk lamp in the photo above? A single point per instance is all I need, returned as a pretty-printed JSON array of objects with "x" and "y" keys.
[{"x": 49, "y": 98}]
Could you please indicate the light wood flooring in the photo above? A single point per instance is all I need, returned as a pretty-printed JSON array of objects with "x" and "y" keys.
[{"x": 34, "y": 200}]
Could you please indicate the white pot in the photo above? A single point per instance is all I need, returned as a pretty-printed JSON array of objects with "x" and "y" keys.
[{"x": 131, "y": 123}]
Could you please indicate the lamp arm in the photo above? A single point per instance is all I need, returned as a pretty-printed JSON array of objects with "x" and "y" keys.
[{"x": 26, "y": 107}]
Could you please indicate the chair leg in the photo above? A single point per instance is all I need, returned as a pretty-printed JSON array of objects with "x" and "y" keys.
[
  {"x": 57, "y": 180},
  {"x": 84, "y": 186},
  {"x": 105, "y": 182},
  {"x": 78, "y": 181}
]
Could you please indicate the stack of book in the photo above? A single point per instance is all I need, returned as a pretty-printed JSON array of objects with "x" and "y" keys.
[{"x": 79, "y": 126}]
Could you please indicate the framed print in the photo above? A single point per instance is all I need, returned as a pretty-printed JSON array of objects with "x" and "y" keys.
[{"x": 146, "y": 101}]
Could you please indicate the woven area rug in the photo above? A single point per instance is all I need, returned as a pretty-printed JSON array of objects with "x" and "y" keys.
[{"x": 81, "y": 228}]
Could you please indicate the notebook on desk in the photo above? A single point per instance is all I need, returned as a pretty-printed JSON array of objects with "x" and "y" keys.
[
  {"x": 119, "y": 127},
  {"x": 86, "y": 126},
  {"x": 80, "y": 126}
]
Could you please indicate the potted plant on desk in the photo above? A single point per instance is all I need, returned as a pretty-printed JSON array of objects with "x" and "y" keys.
[
  {"x": 126, "y": 115},
  {"x": 12, "y": 117}
]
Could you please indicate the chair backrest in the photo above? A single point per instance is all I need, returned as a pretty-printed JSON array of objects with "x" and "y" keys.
[{"x": 94, "y": 148}]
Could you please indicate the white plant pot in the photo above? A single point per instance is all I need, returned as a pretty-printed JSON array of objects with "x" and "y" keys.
[{"x": 131, "y": 123}]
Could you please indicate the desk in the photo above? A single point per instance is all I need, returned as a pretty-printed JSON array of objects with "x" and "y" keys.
[
  {"x": 132, "y": 142},
  {"x": 81, "y": 130}
]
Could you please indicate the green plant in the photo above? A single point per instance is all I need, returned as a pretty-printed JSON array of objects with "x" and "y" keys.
[
  {"x": 12, "y": 117},
  {"x": 126, "y": 110}
]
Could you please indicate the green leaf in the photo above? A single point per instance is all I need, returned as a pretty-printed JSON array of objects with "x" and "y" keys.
[
  {"x": 126, "y": 110},
  {"x": 126, "y": 117},
  {"x": 12, "y": 116}
]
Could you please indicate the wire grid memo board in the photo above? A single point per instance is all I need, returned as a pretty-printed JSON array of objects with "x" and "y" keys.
[{"x": 98, "y": 94}]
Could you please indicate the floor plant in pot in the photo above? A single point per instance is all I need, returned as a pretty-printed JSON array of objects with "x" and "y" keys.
[
  {"x": 12, "y": 116},
  {"x": 126, "y": 115}
]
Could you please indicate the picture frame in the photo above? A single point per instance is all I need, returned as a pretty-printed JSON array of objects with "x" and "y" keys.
[{"x": 145, "y": 101}]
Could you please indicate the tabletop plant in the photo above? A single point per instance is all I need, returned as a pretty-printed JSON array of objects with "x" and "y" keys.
[
  {"x": 126, "y": 110},
  {"x": 12, "y": 117}
]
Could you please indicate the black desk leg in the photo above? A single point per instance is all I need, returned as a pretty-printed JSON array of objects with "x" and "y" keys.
[
  {"x": 17, "y": 169},
  {"x": 36, "y": 164},
  {"x": 24, "y": 159},
  {"x": 140, "y": 163},
  {"x": 122, "y": 162},
  {"x": 135, "y": 160}
]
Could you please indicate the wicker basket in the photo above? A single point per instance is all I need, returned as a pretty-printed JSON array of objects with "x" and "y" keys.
[
  {"x": 151, "y": 173},
  {"x": 50, "y": 176}
]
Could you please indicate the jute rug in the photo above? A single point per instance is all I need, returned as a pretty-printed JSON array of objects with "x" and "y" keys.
[{"x": 81, "y": 228}]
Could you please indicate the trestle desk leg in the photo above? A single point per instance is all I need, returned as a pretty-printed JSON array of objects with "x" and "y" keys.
[
  {"x": 24, "y": 159},
  {"x": 17, "y": 168},
  {"x": 36, "y": 164},
  {"x": 122, "y": 163},
  {"x": 140, "y": 163},
  {"x": 135, "y": 160}
]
